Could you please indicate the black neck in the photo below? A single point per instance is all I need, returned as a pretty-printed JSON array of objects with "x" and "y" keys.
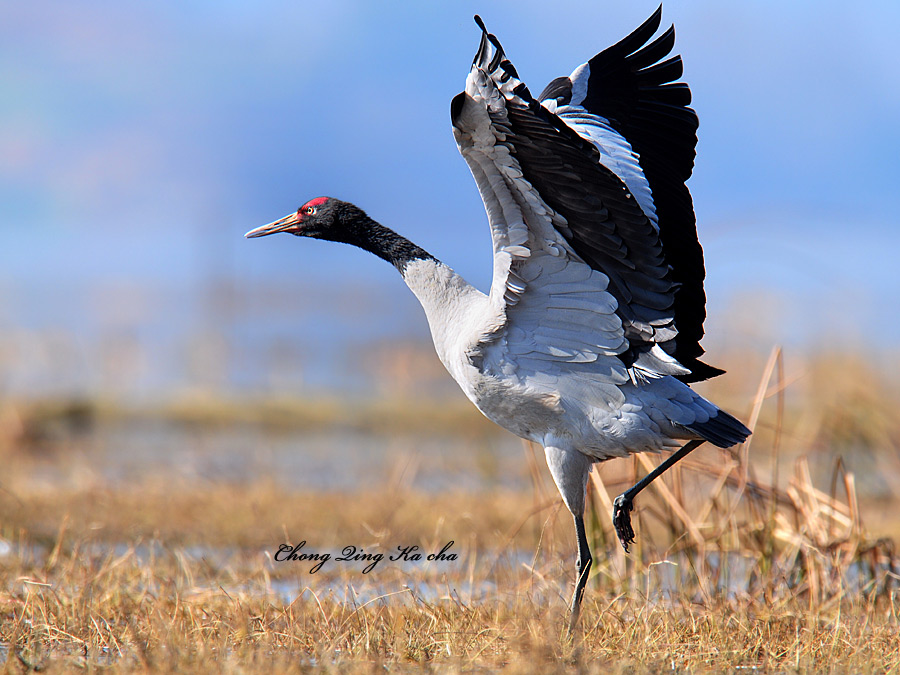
[{"x": 372, "y": 236}]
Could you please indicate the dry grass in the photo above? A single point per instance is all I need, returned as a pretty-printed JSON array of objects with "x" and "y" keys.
[
  {"x": 155, "y": 607},
  {"x": 740, "y": 565}
]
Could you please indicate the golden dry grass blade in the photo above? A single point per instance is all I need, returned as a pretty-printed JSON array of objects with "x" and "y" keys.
[
  {"x": 744, "y": 450},
  {"x": 673, "y": 503},
  {"x": 617, "y": 555}
]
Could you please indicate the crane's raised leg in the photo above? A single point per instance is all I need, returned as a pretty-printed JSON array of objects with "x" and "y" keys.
[{"x": 624, "y": 503}]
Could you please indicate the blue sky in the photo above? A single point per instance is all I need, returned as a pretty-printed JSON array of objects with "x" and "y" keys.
[{"x": 138, "y": 141}]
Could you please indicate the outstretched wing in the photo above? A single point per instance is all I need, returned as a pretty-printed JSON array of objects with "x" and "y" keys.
[
  {"x": 627, "y": 101},
  {"x": 582, "y": 271}
]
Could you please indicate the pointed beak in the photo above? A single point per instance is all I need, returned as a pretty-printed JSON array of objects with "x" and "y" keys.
[{"x": 290, "y": 223}]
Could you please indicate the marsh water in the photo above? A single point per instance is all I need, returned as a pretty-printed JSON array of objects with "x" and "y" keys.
[{"x": 330, "y": 459}]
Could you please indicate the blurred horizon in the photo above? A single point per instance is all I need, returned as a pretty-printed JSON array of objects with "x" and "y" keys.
[{"x": 139, "y": 142}]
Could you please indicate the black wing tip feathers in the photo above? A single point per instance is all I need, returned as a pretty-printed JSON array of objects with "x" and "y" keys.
[
  {"x": 700, "y": 371},
  {"x": 487, "y": 61},
  {"x": 490, "y": 36},
  {"x": 655, "y": 18},
  {"x": 641, "y": 34}
]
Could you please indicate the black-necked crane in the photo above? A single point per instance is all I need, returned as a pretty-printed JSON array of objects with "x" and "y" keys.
[{"x": 590, "y": 333}]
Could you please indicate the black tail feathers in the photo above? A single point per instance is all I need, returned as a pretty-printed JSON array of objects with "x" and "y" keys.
[{"x": 723, "y": 430}]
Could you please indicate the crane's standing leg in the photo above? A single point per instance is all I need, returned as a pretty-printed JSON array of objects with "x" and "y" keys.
[
  {"x": 624, "y": 503},
  {"x": 583, "y": 565},
  {"x": 570, "y": 470}
]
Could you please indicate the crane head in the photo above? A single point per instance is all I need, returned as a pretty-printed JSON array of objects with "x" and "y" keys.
[{"x": 314, "y": 219}]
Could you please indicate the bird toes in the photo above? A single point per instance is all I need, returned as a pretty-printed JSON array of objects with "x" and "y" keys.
[{"x": 622, "y": 507}]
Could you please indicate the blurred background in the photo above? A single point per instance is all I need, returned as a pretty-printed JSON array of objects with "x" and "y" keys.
[{"x": 140, "y": 333}]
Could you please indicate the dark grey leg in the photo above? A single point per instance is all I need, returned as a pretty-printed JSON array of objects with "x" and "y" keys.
[
  {"x": 584, "y": 569},
  {"x": 623, "y": 504},
  {"x": 570, "y": 469}
]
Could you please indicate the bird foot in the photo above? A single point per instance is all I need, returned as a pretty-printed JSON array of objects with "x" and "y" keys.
[{"x": 622, "y": 508}]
